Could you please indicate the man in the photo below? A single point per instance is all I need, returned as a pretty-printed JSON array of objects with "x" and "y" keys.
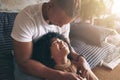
[{"x": 36, "y": 20}]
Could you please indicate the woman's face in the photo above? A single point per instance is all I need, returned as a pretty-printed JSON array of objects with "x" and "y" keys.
[{"x": 59, "y": 48}]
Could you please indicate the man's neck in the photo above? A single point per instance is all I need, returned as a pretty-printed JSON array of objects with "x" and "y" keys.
[{"x": 45, "y": 13}]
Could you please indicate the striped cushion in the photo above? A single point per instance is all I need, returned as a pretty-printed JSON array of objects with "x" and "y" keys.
[
  {"x": 6, "y": 58},
  {"x": 93, "y": 54}
]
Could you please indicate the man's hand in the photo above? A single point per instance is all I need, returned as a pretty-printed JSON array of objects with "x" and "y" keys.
[{"x": 68, "y": 76}]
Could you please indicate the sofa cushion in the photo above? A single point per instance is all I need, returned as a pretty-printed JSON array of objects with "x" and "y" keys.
[
  {"x": 6, "y": 58},
  {"x": 93, "y": 54},
  {"x": 90, "y": 34},
  {"x": 85, "y": 32},
  {"x": 6, "y": 66}
]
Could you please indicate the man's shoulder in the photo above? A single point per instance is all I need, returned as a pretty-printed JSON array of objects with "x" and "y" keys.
[
  {"x": 34, "y": 8},
  {"x": 29, "y": 13}
]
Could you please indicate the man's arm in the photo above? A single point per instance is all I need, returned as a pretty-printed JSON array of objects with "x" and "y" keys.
[{"x": 23, "y": 51}]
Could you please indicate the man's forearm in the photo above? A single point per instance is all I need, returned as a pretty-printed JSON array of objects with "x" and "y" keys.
[{"x": 38, "y": 70}]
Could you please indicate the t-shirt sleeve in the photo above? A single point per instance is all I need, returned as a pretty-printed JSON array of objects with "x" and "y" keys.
[
  {"x": 23, "y": 27},
  {"x": 66, "y": 30}
]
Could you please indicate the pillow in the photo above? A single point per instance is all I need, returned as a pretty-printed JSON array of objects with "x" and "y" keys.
[
  {"x": 105, "y": 32},
  {"x": 90, "y": 34},
  {"x": 113, "y": 39},
  {"x": 93, "y": 54},
  {"x": 85, "y": 32}
]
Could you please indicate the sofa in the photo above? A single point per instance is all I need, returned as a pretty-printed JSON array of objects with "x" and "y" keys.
[
  {"x": 6, "y": 58},
  {"x": 93, "y": 54}
]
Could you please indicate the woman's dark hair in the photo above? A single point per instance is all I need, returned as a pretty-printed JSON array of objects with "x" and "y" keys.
[{"x": 41, "y": 48}]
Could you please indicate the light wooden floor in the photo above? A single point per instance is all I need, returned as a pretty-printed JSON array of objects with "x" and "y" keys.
[{"x": 104, "y": 73}]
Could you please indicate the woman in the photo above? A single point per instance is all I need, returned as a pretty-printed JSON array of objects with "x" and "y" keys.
[{"x": 53, "y": 50}]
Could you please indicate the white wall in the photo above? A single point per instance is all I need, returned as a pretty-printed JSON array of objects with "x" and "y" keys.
[{"x": 16, "y": 5}]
